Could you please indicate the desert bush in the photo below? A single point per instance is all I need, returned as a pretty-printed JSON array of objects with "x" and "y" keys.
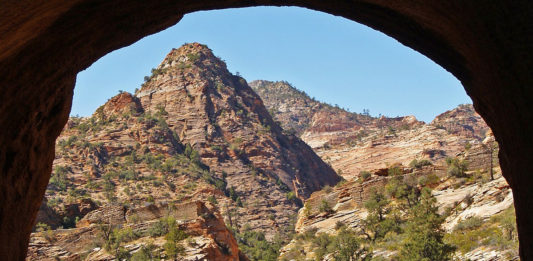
[
  {"x": 456, "y": 167},
  {"x": 394, "y": 171},
  {"x": 419, "y": 163},
  {"x": 325, "y": 207},
  {"x": 468, "y": 224},
  {"x": 46, "y": 231},
  {"x": 212, "y": 199},
  {"x": 257, "y": 247},
  {"x": 365, "y": 175}
]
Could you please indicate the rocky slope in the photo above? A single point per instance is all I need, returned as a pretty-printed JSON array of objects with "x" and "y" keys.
[
  {"x": 220, "y": 116},
  {"x": 462, "y": 120},
  {"x": 473, "y": 197},
  {"x": 116, "y": 175},
  {"x": 320, "y": 123},
  {"x": 192, "y": 133},
  {"x": 353, "y": 142},
  {"x": 197, "y": 138}
]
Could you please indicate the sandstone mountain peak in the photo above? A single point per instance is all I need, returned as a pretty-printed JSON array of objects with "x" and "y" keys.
[
  {"x": 222, "y": 118},
  {"x": 193, "y": 53},
  {"x": 193, "y": 132}
]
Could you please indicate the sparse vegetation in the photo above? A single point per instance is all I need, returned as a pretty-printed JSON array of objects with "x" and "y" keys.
[
  {"x": 325, "y": 207},
  {"x": 256, "y": 247},
  {"x": 498, "y": 232},
  {"x": 142, "y": 159},
  {"x": 456, "y": 167},
  {"x": 419, "y": 163},
  {"x": 46, "y": 232},
  {"x": 365, "y": 175}
]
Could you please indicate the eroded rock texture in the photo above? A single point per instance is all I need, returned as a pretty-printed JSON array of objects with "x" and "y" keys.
[{"x": 44, "y": 44}]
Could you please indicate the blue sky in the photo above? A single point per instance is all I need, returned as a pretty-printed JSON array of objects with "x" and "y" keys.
[{"x": 331, "y": 58}]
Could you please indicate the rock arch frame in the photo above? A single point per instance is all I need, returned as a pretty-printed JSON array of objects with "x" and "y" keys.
[{"x": 45, "y": 43}]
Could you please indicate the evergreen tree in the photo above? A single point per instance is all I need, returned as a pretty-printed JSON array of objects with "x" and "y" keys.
[
  {"x": 378, "y": 222},
  {"x": 424, "y": 233},
  {"x": 347, "y": 247}
]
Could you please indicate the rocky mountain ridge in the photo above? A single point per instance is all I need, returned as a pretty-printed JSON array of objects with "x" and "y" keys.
[
  {"x": 192, "y": 133},
  {"x": 353, "y": 142}
]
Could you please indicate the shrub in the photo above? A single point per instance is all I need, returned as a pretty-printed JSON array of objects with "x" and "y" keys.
[
  {"x": 377, "y": 223},
  {"x": 394, "y": 171},
  {"x": 325, "y": 207},
  {"x": 233, "y": 194},
  {"x": 424, "y": 236},
  {"x": 339, "y": 225},
  {"x": 212, "y": 199},
  {"x": 321, "y": 243},
  {"x": 365, "y": 175},
  {"x": 468, "y": 224},
  {"x": 256, "y": 247},
  {"x": 59, "y": 178},
  {"x": 150, "y": 199},
  {"x": 468, "y": 145},
  {"x": 456, "y": 167},
  {"x": 291, "y": 196},
  {"x": 347, "y": 247},
  {"x": 45, "y": 231},
  {"x": 428, "y": 180},
  {"x": 419, "y": 163}
]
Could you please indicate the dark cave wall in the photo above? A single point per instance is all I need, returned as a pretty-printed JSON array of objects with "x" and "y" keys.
[{"x": 44, "y": 44}]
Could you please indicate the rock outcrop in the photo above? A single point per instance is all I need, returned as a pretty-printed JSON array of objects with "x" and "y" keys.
[
  {"x": 462, "y": 120},
  {"x": 207, "y": 236},
  {"x": 474, "y": 196}
]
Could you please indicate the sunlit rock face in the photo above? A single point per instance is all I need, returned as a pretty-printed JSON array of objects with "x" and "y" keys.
[
  {"x": 222, "y": 117},
  {"x": 354, "y": 142},
  {"x": 192, "y": 132}
]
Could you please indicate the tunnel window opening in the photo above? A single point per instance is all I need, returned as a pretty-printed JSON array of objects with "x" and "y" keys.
[{"x": 180, "y": 147}]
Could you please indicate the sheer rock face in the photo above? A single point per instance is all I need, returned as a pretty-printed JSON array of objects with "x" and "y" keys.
[{"x": 221, "y": 117}]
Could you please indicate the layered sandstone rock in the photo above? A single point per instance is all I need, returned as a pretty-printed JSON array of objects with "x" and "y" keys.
[
  {"x": 352, "y": 142},
  {"x": 192, "y": 132},
  {"x": 221, "y": 117},
  {"x": 464, "y": 121},
  {"x": 320, "y": 123}
]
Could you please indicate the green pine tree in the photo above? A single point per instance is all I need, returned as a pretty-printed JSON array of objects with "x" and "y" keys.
[{"x": 424, "y": 233}]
